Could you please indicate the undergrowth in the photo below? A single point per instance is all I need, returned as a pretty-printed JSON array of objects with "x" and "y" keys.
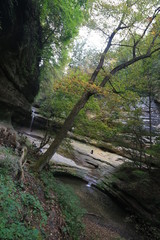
[
  {"x": 22, "y": 215},
  {"x": 69, "y": 204},
  {"x": 18, "y": 208}
]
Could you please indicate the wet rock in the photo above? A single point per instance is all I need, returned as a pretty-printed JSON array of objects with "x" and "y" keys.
[{"x": 137, "y": 190}]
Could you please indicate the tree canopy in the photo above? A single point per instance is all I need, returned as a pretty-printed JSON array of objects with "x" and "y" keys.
[
  {"x": 60, "y": 21},
  {"x": 132, "y": 34}
]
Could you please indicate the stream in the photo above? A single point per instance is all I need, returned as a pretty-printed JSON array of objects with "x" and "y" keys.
[
  {"x": 106, "y": 212},
  {"x": 101, "y": 209},
  {"x": 91, "y": 163}
]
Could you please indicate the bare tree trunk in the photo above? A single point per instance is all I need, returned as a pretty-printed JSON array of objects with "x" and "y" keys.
[{"x": 44, "y": 159}]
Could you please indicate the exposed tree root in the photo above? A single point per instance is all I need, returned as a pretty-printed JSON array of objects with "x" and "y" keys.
[{"x": 22, "y": 162}]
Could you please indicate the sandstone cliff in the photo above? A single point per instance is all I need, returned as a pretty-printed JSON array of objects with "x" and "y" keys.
[{"x": 20, "y": 43}]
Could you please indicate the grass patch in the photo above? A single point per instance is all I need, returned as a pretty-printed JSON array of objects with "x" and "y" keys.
[{"x": 69, "y": 204}]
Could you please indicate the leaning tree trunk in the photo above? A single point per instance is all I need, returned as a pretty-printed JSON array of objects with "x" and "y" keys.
[
  {"x": 80, "y": 104},
  {"x": 44, "y": 159}
]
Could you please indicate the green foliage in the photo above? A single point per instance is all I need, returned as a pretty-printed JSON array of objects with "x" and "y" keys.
[
  {"x": 127, "y": 48},
  {"x": 71, "y": 209},
  {"x": 140, "y": 173},
  {"x": 154, "y": 151},
  {"x": 8, "y": 160},
  {"x": 32, "y": 202},
  {"x": 69, "y": 203},
  {"x": 92, "y": 119},
  {"x": 11, "y": 215},
  {"x": 132, "y": 176},
  {"x": 60, "y": 21},
  {"x": 15, "y": 204}
]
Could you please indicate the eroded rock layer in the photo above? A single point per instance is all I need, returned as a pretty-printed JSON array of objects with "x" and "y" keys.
[{"x": 20, "y": 43}]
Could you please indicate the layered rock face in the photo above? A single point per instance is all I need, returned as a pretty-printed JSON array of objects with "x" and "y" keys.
[{"x": 20, "y": 43}]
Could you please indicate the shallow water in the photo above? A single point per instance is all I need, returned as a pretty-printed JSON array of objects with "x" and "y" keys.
[
  {"x": 101, "y": 207},
  {"x": 106, "y": 211}
]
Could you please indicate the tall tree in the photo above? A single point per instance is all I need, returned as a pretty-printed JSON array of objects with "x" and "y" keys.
[
  {"x": 135, "y": 20},
  {"x": 60, "y": 21}
]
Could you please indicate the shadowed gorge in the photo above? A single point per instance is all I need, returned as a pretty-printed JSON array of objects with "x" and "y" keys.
[
  {"x": 20, "y": 45},
  {"x": 79, "y": 120}
]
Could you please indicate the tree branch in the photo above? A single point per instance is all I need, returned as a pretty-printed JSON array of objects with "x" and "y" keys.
[
  {"x": 121, "y": 45},
  {"x": 153, "y": 41},
  {"x": 145, "y": 30},
  {"x": 49, "y": 35},
  {"x": 95, "y": 73},
  {"x": 126, "y": 64},
  {"x": 99, "y": 29}
]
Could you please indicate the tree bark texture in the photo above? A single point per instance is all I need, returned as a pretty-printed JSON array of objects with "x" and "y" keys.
[{"x": 44, "y": 159}]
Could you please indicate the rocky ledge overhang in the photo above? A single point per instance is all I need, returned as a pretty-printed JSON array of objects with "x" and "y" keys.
[{"x": 20, "y": 43}]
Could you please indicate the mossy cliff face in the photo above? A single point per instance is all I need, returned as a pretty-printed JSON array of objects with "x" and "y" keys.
[
  {"x": 138, "y": 190},
  {"x": 20, "y": 43}
]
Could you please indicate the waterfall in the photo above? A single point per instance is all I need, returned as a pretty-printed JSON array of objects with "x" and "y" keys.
[
  {"x": 89, "y": 184},
  {"x": 155, "y": 113},
  {"x": 32, "y": 120},
  {"x": 91, "y": 181}
]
